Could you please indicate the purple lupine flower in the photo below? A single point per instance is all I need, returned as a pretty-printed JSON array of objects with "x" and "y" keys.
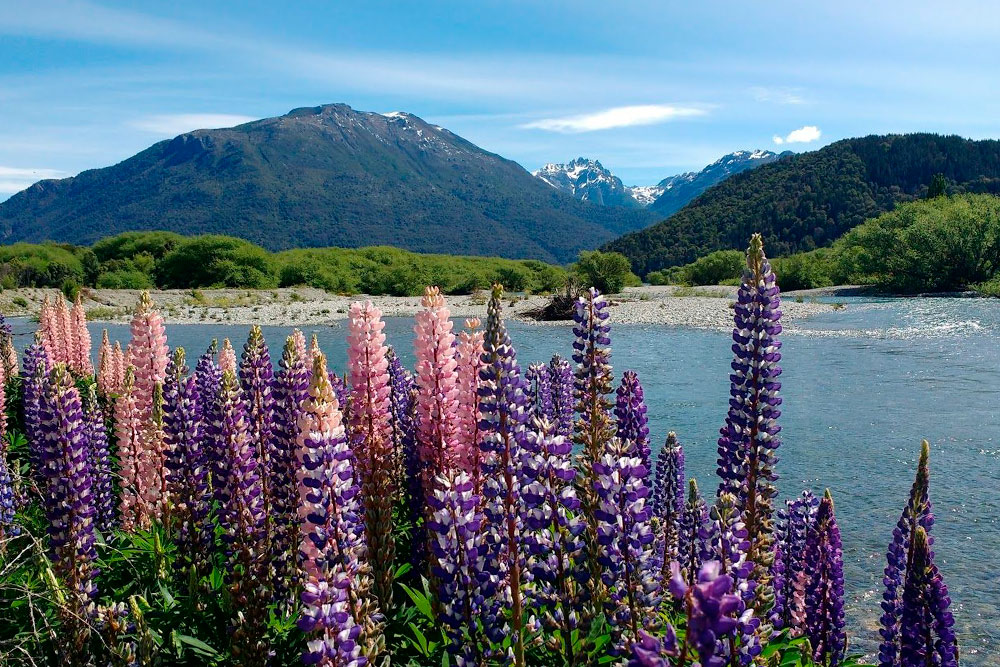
[
  {"x": 188, "y": 466},
  {"x": 918, "y": 512},
  {"x": 749, "y": 438},
  {"x": 504, "y": 408},
  {"x": 257, "y": 381},
  {"x": 8, "y": 503},
  {"x": 291, "y": 389},
  {"x": 790, "y": 564},
  {"x": 455, "y": 524},
  {"x": 100, "y": 462},
  {"x": 539, "y": 380},
  {"x": 69, "y": 499},
  {"x": 563, "y": 404},
  {"x": 711, "y": 611},
  {"x": 668, "y": 501},
  {"x": 337, "y": 610},
  {"x": 35, "y": 371},
  {"x": 825, "y": 587},
  {"x": 626, "y": 542},
  {"x": 651, "y": 651},
  {"x": 554, "y": 541},
  {"x": 241, "y": 516},
  {"x": 926, "y": 623},
  {"x": 631, "y": 419},
  {"x": 728, "y": 544},
  {"x": 404, "y": 438},
  {"x": 693, "y": 534},
  {"x": 208, "y": 379}
]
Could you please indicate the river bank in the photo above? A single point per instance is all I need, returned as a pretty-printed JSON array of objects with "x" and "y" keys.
[{"x": 703, "y": 307}]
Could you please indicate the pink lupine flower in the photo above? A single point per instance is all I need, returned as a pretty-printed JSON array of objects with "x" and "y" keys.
[
  {"x": 152, "y": 460},
  {"x": 148, "y": 353},
  {"x": 3, "y": 410},
  {"x": 64, "y": 324},
  {"x": 128, "y": 436},
  {"x": 437, "y": 384},
  {"x": 106, "y": 366},
  {"x": 47, "y": 329},
  {"x": 371, "y": 431},
  {"x": 470, "y": 362},
  {"x": 119, "y": 366},
  {"x": 227, "y": 357},
  {"x": 80, "y": 361},
  {"x": 301, "y": 352}
]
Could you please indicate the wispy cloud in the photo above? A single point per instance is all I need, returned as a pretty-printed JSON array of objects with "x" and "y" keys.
[
  {"x": 803, "y": 135},
  {"x": 642, "y": 114},
  {"x": 792, "y": 96},
  {"x": 174, "y": 124},
  {"x": 15, "y": 179}
]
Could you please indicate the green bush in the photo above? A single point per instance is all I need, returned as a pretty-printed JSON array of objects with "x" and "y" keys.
[
  {"x": 609, "y": 272},
  {"x": 217, "y": 261},
  {"x": 125, "y": 279}
]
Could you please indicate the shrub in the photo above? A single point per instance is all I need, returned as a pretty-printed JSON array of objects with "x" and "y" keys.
[
  {"x": 217, "y": 261},
  {"x": 609, "y": 272}
]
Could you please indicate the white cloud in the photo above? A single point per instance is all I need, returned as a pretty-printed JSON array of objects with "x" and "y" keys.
[
  {"x": 642, "y": 114},
  {"x": 778, "y": 95},
  {"x": 803, "y": 135},
  {"x": 15, "y": 179},
  {"x": 174, "y": 124}
]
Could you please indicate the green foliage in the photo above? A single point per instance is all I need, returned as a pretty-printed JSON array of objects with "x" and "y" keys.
[
  {"x": 217, "y": 261},
  {"x": 607, "y": 271},
  {"x": 806, "y": 270},
  {"x": 42, "y": 265},
  {"x": 938, "y": 186},
  {"x": 807, "y": 201}
]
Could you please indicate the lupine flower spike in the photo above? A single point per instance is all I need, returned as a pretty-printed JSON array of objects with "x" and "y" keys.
[
  {"x": 927, "y": 626},
  {"x": 563, "y": 404},
  {"x": 790, "y": 566},
  {"x": 106, "y": 372},
  {"x": 332, "y": 549},
  {"x": 631, "y": 420},
  {"x": 81, "y": 363},
  {"x": 668, "y": 502},
  {"x": 749, "y": 438},
  {"x": 8, "y": 355},
  {"x": 711, "y": 607},
  {"x": 693, "y": 534},
  {"x": 69, "y": 501},
  {"x": 35, "y": 374},
  {"x": 505, "y": 412},
  {"x": 469, "y": 355},
  {"x": 825, "y": 589},
  {"x": 539, "y": 381},
  {"x": 256, "y": 376},
  {"x": 227, "y": 357},
  {"x": 100, "y": 461},
  {"x": 128, "y": 438},
  {"x": 368, "y": 372}
]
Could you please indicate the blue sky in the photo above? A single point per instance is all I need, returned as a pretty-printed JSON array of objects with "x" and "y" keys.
[{"x": 649, "y": 88}]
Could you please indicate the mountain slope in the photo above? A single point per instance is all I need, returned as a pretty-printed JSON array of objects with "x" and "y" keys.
[
  {"x": 322, "y": 176},
  {"x": 588, "y": 180},
  {"x": 677, "y": 191},
  {"x": 809, "y": 199}
]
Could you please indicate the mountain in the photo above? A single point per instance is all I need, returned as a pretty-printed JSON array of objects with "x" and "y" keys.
[
  {"x": 677, "y": 191},
  {"x": 807, "y": 200},
  {"x": 323, "y": 176},
  {"x": 589, "y": 180}
]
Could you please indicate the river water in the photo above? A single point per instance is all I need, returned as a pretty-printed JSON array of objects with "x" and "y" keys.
[{"x": 861, "y": 386}]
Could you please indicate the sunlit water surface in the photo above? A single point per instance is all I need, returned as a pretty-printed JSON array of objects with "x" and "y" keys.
[{"x": 861, "y": 388}]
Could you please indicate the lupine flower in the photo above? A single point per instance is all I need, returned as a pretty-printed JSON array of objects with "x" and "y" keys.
[
  {"x": 35, "y": 373},
  {"x": 668, "y": 500},
  {"x": 554, "y": 541},
  {"x": 693, "y": 534},
  {"x": 257, "y": 380},
  {"x": 152, "y": 460},
  {"x": 3, "y": 409},
  {"x": 789, "y": 563},
  {"x": 625, "y": 539},
  {"x": 918, "y": 512},
  {"x": 631, "y": 420},
  {"x": 128, "y": 438},
  {"x": 8, "y": 355},
  {"x": 926, "y": 624},
  {"x": 651, "y": 651},
  {"x": 107, "y": 380},
  {"x": 437, "y": 387},
  {"x": 80, "y": 362},
  {"x": 69, "y": 500},
  {"x": 592, "y": 384},
  {"x": 711, "y": 608},
  {"x": 749, "y": 438},
  {"x": 8, "y": 503},
  {"x": 455, "y": 525},
  {"x": 227, "y": 357},
  {"x": 404, "y": 436},
  {"x": 728, "y": 543},
  {"x": 368, "y": 371},
  {"x": 116, "y": 625},
  {"x": 291, "y": 388},
  {"x": 469, "y": 355},
  {"x": 563, "y": 405},
  {"x": 64, "y": 322},
  {"x": 825, "y": 588},
  {"x": 539, "y": 382},
  {"x": 188, "y": 466},
  {"x": 96, "y": 429},
  {"x": 504, "y": 405},
  {"x": 241, "y": 516},
  {"x": 148, "y": 353},
  {"x": 208, "y": 378},
  {"x": 338, "y": 615}
]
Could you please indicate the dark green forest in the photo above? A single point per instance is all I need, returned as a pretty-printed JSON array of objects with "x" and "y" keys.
[{"x": 807, "y": 201}]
